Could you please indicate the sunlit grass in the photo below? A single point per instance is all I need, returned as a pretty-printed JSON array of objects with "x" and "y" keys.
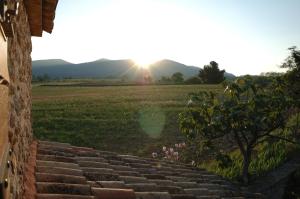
[
  {"x": 266, "y": 157},
  {"x": 125, "y": 119}
]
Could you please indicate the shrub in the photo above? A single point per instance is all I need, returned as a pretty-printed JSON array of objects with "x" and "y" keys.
[{"x": 246, "y": 114}]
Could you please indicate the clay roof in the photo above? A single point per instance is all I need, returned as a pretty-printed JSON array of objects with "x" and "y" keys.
[
  {"x": 41, "y": 15},
  {"x": 66, "y": 171}
]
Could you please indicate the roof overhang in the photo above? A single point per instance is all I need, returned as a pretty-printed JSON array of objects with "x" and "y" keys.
[{"x": 41, "y": 14}]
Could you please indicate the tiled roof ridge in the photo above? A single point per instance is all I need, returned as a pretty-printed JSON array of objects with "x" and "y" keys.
[{"x": 66, "y": 171}]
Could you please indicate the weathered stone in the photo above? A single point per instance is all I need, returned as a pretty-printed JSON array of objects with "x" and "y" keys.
[{"x": 19, "y": 64}]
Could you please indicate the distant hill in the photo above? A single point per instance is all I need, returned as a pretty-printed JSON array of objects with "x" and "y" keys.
[{"x": 104, "y": 68}]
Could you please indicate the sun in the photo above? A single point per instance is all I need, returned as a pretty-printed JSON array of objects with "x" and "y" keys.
[{"x": 144, "y": 62}]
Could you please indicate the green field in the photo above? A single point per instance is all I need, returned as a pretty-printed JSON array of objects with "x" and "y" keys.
[{"x": 126, "y": 119}]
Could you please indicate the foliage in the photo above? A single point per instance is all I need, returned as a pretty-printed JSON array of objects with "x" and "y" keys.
[
  {"x": 193, "y": 80},
  {"x": 268, "y": 156},
  {"x": 293, "y": 61},
  {"x": 224, "y": 160},
  {"x": 211, "y": 74},
  {"x": 246, "y": 113},
  {"x": 292, "y": 77},
  {"x": 177, "y": 77},
  {"x": 271, "y": 74},
  {"x": 43, "y": 78},
  {"x": 261, "y": 81},
  {"x": 165, "y": 80}
]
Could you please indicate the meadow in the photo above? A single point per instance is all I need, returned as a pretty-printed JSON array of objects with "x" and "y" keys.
[{"x": 126, "y": 119}]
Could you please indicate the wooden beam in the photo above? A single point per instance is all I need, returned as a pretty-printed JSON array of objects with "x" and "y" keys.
[
  {"x": 35, "y": 12},
  {"x": 49, "y": 7}
]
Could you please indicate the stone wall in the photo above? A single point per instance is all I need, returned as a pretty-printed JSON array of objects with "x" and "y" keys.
[{"x": 19, "y": 63}]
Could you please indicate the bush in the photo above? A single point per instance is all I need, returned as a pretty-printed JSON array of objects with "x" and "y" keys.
[
  {"x": 193, "y": 80},
  {"x": 247, "y": 114}
]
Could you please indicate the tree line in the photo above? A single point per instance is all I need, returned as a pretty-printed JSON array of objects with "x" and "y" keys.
[{"x": 210, "y": 74}]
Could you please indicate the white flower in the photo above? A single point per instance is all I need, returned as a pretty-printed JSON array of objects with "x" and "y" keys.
[
  {"x": 176, "y": 153},
  {"x": 171, "y": 150},
  {"x": 183, "y": 144},
  {"x": 164, "y": 148},
  {"x": 193, "y": 162},
  {"x": 226, "y": 89},
  {"x": 190, "y": 102},
  {"x": 176, "y": 145},
  {"x": 154, "y": 155}
]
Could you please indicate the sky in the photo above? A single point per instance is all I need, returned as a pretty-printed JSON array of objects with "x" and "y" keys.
[{"x": 243, "y": 36}]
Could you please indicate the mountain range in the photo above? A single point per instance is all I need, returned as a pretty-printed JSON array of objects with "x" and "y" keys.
[{"x": 105, "y": 68}]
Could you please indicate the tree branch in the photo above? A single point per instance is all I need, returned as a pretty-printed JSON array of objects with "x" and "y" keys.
[
  {"x": 245, "y": 138},
  {"x": 261, "y": 141},
  {"x": 237, "y": 138},
  {"x": 269, "y": 131},
  {"x": 217, "y": 136},
  {"x": 282, "y": 138}
]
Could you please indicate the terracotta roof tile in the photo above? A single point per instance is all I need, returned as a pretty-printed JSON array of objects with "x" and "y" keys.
[
  {"x": 64, "y": 170},
  {"x": 112, "y": 193}
]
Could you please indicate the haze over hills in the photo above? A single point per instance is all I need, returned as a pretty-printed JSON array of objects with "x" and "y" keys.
[{"x": 104, "y": 68}]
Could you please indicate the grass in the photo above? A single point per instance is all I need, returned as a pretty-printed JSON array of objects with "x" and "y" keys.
[
  {"x": 126, "y": 119},
  {"x": 265, "y": 157},
  {"x": 137, "y": 120}
]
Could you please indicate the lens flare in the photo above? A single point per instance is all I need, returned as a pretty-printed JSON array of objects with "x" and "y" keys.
[{"x": 152, "y": 121}]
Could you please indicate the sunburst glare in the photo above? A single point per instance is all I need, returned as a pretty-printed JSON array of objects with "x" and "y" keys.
[{"x": 144, "y": 62}]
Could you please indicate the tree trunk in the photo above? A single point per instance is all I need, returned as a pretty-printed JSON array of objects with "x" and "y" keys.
[{"x": 246, "y": 163}]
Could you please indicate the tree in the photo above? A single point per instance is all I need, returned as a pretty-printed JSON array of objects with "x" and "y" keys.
[
  {"x": 42, "y": 78},
  {"x": 165, "y": 80},
  {"x": 177, "y": 77},
  {"x": 147, "y": 79},
  {"x": 292, "y": 77},
  {"x": 211, "y": 74},
  {"x": 246, "y": 113},
  {"x": 124, "y": 78},
  {"x": 193, "y": 80}
]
